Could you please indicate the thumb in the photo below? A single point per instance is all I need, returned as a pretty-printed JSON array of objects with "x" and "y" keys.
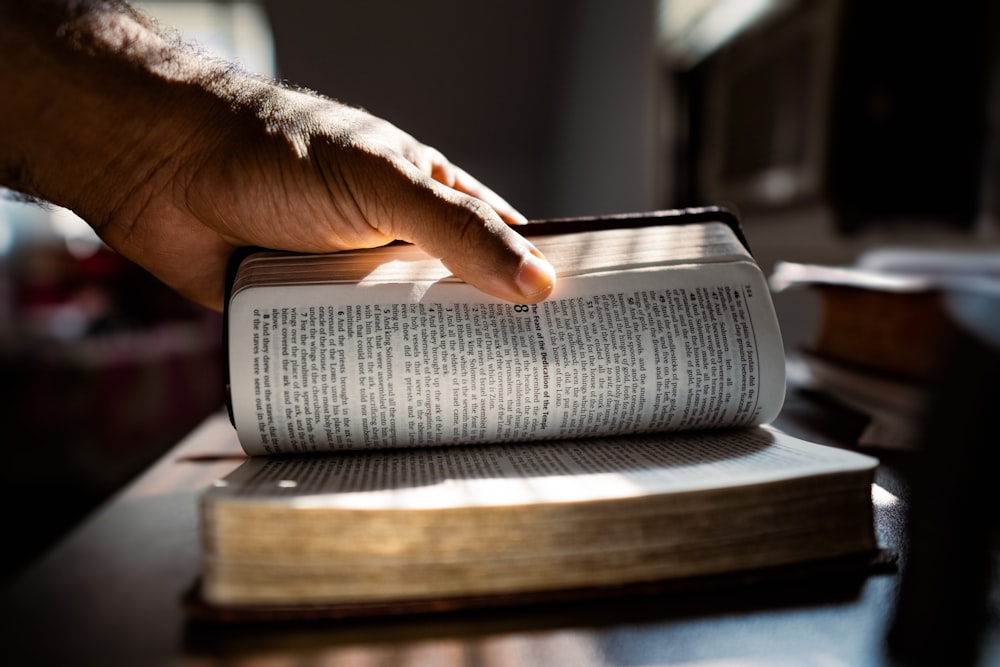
[{"x": 471, "y": 240}]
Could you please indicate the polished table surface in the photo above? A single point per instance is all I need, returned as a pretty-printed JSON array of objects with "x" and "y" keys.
[{"x": 110, "y": 594}]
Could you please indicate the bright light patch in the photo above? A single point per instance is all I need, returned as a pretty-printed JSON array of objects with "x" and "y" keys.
[{"x": 882, "y": 498}]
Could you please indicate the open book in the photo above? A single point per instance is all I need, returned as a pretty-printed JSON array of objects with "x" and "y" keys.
[{"x": 425, "y": 442}]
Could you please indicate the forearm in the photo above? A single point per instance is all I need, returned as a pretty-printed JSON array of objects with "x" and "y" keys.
[{"x": 87, "y": 87}]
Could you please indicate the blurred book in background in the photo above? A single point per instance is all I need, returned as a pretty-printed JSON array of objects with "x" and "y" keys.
[{"x": 885, "y": 324}]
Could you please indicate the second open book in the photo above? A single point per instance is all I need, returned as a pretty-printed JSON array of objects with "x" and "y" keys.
[{"x": 421, "y": 441}]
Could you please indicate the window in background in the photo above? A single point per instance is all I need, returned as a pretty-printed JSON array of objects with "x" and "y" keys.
[
  {"x": 691, "y": 30},
  {"x": 836, "y": 104}
]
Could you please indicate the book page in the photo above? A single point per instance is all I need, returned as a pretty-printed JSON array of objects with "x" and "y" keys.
[
  {"x": 529, "y": 473},
  {"x": 396, "y": 364}
]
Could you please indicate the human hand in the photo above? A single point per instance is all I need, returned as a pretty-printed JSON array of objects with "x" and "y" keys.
[
  {"x": 182, "y": 159},
  {"x": 307, "y": 174}
]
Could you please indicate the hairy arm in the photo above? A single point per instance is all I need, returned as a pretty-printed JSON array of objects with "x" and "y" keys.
[{"x": 176, "y": 158}]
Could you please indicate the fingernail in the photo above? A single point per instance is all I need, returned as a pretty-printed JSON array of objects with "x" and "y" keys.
[
  {"x": 516, "y": 218},
  {"x": 534, "y": 276}
]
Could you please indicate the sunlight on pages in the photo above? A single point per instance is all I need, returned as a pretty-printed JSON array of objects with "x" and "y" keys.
[{"x": 483, "y": 493}]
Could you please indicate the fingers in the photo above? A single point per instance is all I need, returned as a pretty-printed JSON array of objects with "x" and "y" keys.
[
  {"x": 432, "y": 162},
  {"x": 469, "y": 185},
  {"x": 469, "y": 236},
  {"x": 457, "y": 178}
]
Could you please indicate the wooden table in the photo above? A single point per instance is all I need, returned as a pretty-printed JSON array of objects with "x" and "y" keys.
[{"x": 110, "y": 594}]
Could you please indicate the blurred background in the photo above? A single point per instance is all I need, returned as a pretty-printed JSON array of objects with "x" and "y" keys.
[{"x": 830, "y": 126}]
